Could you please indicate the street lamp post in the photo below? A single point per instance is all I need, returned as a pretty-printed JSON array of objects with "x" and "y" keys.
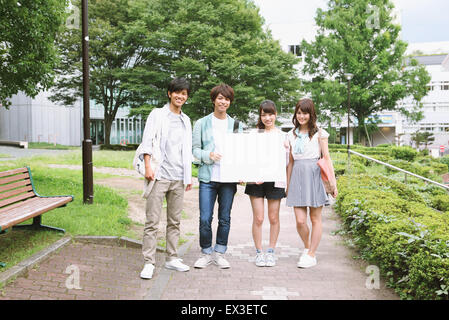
[
  {"x": 349, "y": 76},
  {"x": 88, "y": 189}
]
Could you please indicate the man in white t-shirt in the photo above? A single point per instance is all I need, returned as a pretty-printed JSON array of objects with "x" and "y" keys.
[{"x": 170, "y": 178}]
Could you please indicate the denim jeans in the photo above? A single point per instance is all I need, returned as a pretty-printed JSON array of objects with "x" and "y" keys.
[{"x": 208, "y": 194}]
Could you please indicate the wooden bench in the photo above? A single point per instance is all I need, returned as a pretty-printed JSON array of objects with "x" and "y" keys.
[{"x": 19, "y": 201}]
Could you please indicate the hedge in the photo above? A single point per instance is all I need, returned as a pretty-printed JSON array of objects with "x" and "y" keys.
[
  {"x": 394, "y": 229},
  {"x": 120, "y": 147}
]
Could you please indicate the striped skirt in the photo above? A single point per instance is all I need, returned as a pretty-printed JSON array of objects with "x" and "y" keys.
[{"x": 306, "y": 188}]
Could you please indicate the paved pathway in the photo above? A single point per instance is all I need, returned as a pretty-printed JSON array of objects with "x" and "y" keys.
[{"x": 112, "y": 272}]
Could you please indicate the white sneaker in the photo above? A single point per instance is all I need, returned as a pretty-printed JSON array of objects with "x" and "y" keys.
[
  {"x": 270, "y": 260},
  {"x": 176, "y": 264},
  {"x": 147, "y": 272},
  {"x": 203, "y": 261},
  {"x": 306, "y": 261},
  {"x": 260, "y": 259},
  {"x": 220, "y": 261},
  {"x": 306, "y": 251}
]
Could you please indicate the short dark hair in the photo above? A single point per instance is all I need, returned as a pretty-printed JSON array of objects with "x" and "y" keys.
[
  {"x": 178, "y": 84},
  {"x": 224, "y": 89}
]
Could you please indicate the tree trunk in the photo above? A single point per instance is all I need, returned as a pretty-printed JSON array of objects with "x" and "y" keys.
[{"x": 107, "y": 129}]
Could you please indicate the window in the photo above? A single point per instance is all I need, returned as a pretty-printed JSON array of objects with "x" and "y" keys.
[{"x": 295, "y": 49}]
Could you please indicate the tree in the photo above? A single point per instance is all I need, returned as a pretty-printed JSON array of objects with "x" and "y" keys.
[
  {"x": 137, "y": 46},
  {"x": 422, "y": 138},
  {"x": 360, "y": 37},
  {"x": 27, "y": 52},
  {"x": 119, "y": 54},
  {"x": 210, "y": 42}
]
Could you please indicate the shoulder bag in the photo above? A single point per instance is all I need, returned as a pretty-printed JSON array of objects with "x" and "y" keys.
[{"x": 326, "y": 175}]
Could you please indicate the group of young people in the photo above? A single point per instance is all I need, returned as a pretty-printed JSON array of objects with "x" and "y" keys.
[{"x": 178, "y": 145}]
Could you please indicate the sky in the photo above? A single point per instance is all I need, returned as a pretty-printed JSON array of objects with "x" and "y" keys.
[{"x": 422, "y": 20}]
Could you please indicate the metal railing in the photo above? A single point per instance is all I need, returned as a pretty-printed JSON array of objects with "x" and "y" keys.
[{"x": 401, "y": 170}]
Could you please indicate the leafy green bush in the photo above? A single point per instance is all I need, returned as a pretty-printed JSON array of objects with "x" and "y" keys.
[
  {"x": 439, "y": 168},
  {"x": 404, "y": 153},
  {"x": 341, "y": 168},
  {"x": 394, "y": 229},
  {"x": 120, "y": 147},
  {"x": 445, "y": 160},
  {"x": 440, "y": 202},
  {"x": 384, "y": 145}
]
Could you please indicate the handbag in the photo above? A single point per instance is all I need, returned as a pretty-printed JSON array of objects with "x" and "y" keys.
[
  {"x": 155, "y": 159},
  {"x": 326, "y": 174}
]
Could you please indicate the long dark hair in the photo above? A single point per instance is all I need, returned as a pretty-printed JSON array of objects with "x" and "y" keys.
[
  {"x": 306, "y": 105},
  {"x": 266, "y": 106}
]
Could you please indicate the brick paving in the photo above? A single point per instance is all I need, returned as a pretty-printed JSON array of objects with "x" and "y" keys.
[{"x": 112, "y": 271}]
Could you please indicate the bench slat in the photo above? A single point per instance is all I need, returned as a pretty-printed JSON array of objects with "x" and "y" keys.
[
  {"x": 11, "y": 172},
  {"x": 15, "y": 185},
  {"x": 17, "y": 198},
  {"x": 15, "y": 192},
  {"x": 18, "y": 204},
  {"x": 30, "y": 209},
  {"x": 14, "y": 178}
]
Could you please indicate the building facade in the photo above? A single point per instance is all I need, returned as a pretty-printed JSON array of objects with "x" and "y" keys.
[{"x": 40, "y": 120}]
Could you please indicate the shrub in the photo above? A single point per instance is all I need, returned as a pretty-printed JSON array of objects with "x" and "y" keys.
[
  {"x": 440, "y": 202},
  {"x": 445, "y": 160},
  {"x": 439, "y": 168},
  {"x": 119, "y": 147},
  {"x": 384, "y": 145},
  {"x": 396, "y": 230},
  {"x": 404, "y": 153}
]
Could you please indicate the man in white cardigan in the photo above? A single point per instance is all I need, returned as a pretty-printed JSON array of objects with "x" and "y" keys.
[{"x": 173, "y": 173}]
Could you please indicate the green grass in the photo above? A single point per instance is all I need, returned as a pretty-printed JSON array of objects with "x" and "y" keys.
[
  {"x": 18, "y": 245},
  {"x": 45, "y": 145},
  {"x": 107, "y": 216},
  {"x": 103, "y": 158}
]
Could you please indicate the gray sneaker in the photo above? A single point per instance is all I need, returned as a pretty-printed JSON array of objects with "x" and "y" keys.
[
  {"x": 270, "y": 259},
  {"x": 260, "y": 259},
  {"x": 220, "y": 261},
  {"x": 203, "y": 261}
]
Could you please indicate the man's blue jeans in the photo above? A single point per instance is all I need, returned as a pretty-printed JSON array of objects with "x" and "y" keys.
[{"x": 208, "y": 194}]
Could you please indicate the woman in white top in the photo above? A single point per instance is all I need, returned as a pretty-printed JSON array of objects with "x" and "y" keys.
[
  {"x": 304, "y": 185},
  {"x": 272, "y": 191}
]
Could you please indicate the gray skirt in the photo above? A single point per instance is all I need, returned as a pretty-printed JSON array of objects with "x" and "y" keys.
[{"x": 306, "y": 188}]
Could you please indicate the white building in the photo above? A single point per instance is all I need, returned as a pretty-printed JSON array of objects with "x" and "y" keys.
[{"x": 40, "y": 120}]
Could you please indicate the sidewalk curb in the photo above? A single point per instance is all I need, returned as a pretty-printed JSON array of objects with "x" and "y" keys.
[
  {"x": 163, "y": 278},
  {"x": 114, "y": 241},
  {"x": 24, "y": 266}
]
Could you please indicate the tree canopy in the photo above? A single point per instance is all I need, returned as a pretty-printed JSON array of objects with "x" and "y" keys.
[
  {"x": 27, "y": 45},
  {"x": 137, "y": 46},
  {"x": 360, "y": 37},
  {"x": 210, "y": 42}
]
